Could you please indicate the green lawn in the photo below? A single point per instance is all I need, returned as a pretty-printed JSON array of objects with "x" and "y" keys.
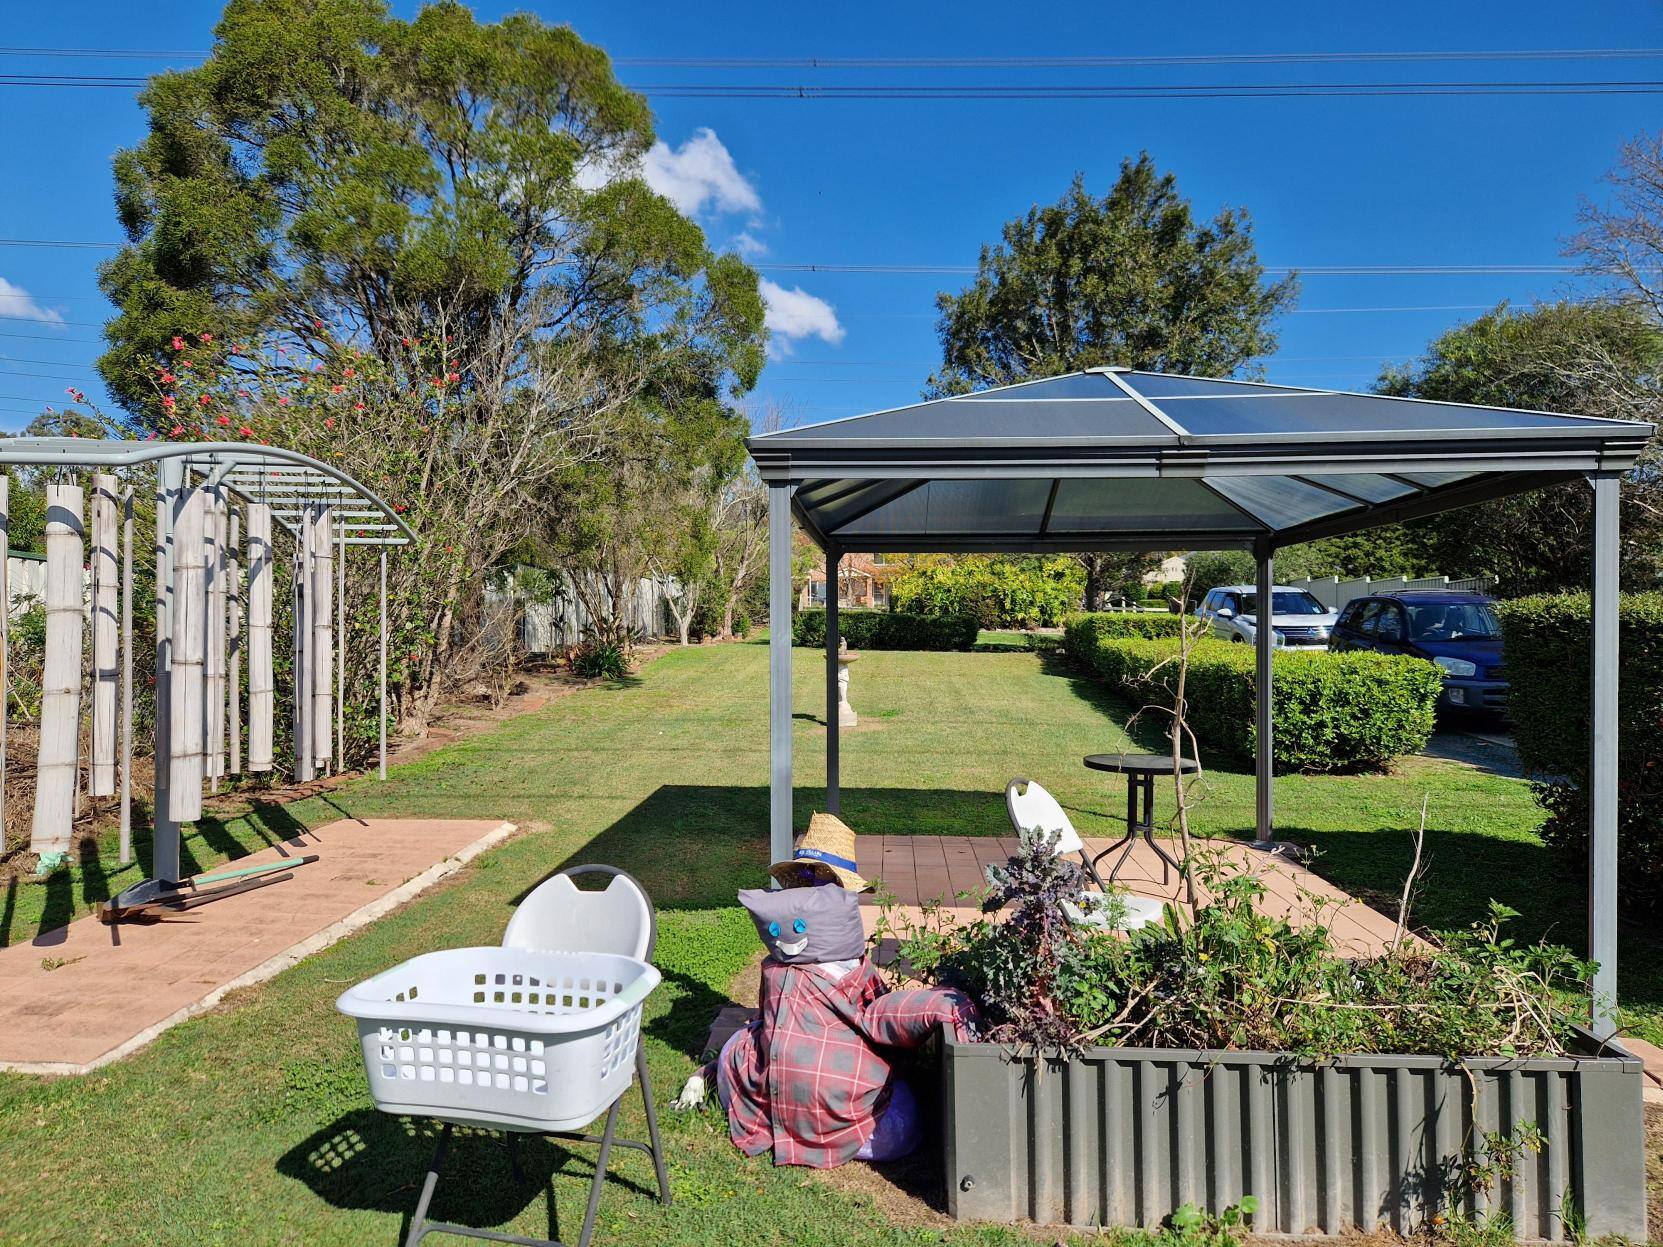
[{"x": 252, "y": 1125}]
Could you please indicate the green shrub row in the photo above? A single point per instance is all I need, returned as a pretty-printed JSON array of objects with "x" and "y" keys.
[
  {"x": 1546, "y": 640},
  {"x": 1082, "y": 632},
  {"x": 1001, "y": 591},
  {"x": 1331, "y": 712},
  {"x": 864, "y": 629}
]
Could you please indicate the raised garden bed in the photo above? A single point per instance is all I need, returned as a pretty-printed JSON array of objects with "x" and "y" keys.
[{"x": 1126, "y": 1136}]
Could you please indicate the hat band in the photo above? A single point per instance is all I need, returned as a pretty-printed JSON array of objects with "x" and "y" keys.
[{"x": 831, "y": 859}]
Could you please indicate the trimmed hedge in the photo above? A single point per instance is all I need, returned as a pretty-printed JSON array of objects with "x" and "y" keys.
[
  {"x": 864, "y": 629},
  {"x": 1082, "y": 632},
  {"x": 1546, "y": 642},
  {"x": 1332, "y": 712}
]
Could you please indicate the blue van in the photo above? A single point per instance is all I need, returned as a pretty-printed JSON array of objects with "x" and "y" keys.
[{"x": 1457, "y": 631}]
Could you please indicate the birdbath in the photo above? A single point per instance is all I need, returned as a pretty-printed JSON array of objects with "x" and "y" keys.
[{"x": 846, "y": 716}]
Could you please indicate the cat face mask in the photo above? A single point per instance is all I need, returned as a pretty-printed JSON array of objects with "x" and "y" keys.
[{"x": 801, "y": 926}]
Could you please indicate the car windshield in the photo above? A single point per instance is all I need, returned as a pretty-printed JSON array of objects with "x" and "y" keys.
[
  {"x": 1284, "y": 602},
  {"x": 1453, "y": 621}
]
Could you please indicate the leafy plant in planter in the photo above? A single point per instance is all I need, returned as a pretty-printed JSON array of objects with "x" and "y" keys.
[{"x": 1235, "y": 978}]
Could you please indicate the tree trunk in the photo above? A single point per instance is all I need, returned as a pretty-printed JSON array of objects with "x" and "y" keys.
[
  {"x": 60, "y": 717},
  {"x": 1094, "y": 580}
]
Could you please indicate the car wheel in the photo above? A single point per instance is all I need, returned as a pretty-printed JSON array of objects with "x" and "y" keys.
[{"x": 1235, "y": 639}]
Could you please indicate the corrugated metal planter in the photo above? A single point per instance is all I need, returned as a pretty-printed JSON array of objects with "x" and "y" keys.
[{"x": 1123, "y": 1136}]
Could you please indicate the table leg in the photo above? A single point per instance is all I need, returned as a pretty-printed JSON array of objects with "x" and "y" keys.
[{"x": 1148, "y": 829}]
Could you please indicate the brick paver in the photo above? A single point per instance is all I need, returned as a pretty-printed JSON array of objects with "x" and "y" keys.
[{"x": 76, "y": 997}]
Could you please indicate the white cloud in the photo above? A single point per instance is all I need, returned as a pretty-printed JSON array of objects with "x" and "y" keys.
[
  {"x": 16, "y": 303},
  {"x": 749, "y": 245},
  {"x": 795, "y": 314},
  {"x": 699, "y": 172}
]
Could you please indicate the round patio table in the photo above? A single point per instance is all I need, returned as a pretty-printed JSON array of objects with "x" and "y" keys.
[{"x": 1140, "y": 770}]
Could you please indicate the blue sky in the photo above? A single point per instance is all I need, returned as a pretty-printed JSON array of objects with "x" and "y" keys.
[{"x": 1445, "y": 180}]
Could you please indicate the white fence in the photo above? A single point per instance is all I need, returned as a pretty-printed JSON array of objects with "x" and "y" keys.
[
  {"x": 25, "y": 582},
  {"x": 547, "y": 627},
  {"x": 1334, "y": 593}
]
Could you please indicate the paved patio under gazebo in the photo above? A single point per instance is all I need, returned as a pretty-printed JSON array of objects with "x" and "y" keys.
[{"x": 1116, "y": 459}]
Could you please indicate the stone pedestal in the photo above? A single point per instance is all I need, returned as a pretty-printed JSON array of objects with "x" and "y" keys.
[{"x": 846, "y": 716}]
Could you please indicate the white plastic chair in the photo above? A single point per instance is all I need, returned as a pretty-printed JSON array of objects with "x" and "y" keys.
[
  {"x": 556, "y": 916},
  {"x": 1031, "y": 806}
]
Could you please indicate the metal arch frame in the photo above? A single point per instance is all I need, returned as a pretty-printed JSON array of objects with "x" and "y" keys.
[{"x": 286, "y": 479}]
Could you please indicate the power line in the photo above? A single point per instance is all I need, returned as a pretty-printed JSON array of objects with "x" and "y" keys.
[
  {"x": 992, "y": 62},
  {"x": 1036, "y": 91}
]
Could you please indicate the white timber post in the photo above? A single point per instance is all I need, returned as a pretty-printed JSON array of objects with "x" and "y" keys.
[
  {"x": 340, "y": 652},
  {"x": 127, "y": 675},
  {"x": 60, "y": 716},
  {"x": 303, "y": 646},
  {"x": 165, "y": 852},
  {"x": 323, "y": 650},
  {"x": 234, "y": 643},
  {"x": 1602, "y": 762},
  {"x": 188, "y": 632},
  {"x": 779, "y": 671},
  {"x": 261, "y": 685},
  {"x": 213, "y": 654},
  {"x": 106, "y": 674}
]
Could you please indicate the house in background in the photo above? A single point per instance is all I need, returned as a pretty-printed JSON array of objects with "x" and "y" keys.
[
  {"x": 1171, "y": 568},
  {"x": 863, "y": 581}
]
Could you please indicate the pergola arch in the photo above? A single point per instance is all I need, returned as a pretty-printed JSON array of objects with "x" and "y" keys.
[{"x": 1119, "y": 459}]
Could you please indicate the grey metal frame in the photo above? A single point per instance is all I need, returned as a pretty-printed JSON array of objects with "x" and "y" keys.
[{"x": 809, "y": 469}]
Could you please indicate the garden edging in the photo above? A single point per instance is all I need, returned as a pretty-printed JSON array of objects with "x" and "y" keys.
[{"x": 1124, "y": 1136}]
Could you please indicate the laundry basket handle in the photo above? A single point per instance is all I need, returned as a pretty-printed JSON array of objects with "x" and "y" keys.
[{"x": 596, "y": 868}]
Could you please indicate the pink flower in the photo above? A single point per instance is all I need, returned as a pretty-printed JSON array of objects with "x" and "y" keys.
[
  {"x": 245, "y": 431},
  {"x": 335, "y": 389},
  {"x": 168, "y": 378},
  {"x": 454, "y": 377},
  {"x": 184, "y": 363},
  {"x": 242, "y": 393},
  {"x": 350, "y": 373},
  {"x": 203, "y": 400},
  {"x": 224, "y": 420},
  {"x": 329, "y": 423},
  {"x": 358, "y": 407},
  {"x": 236, "y": 348},
  {"x": 283, "y": 402},
  {"x": 176, "y": 430},
  {"x": 317, "y": 324},
  {"x": 178, "y": 343},
  {"x": 317, "y": 367},
  {"x": 168, "y": 402},
  {"x": 206, "y": 337}
]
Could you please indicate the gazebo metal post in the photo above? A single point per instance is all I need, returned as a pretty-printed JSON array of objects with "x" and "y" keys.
[
  {"x": 1264, "y": 640},
  {"x": 5, "y": 636},
  {"x": 834, "y": 795},
  {"x": 381, "y": 678},
  {"x": 779, "y": 669},
  {"x": 1602, "y": 769},
  {"x": 127, "y": 675}
]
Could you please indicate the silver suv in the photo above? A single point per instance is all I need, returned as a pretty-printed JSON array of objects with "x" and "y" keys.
[{"x": 1298, "y": 620}]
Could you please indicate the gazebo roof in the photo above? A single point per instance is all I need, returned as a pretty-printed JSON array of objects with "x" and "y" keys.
[
  {"x": 286, "y": 479},
  {"x": 1119, "y": 459}
]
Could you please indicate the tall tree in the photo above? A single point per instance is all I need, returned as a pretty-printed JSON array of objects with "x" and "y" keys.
[
  {"x": 1132, "y": 279},
  {"x": 1592, "y": 359}
]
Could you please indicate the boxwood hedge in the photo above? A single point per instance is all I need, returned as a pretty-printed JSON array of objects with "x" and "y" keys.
[
  {"x": 1546, "y": 640},
  {"x": 1332, "y": 712},
  {"x": 865, "y": 629}
]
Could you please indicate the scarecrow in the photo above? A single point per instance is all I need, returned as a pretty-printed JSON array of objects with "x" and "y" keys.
[{"x": 811, "y": 1079}]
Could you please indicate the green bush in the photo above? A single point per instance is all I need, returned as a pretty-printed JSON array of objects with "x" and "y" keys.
[
  {"x": 1331, "y": 712},
  {"x": 1081, "y": 633},
  {"x": 1546, "y": 642},
  {"x": 999, "y": 590},
  {"x": 864, "y": 629}
]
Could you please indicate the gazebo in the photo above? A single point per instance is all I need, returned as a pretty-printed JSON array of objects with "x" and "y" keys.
[{"x": 1118, "y": 459}]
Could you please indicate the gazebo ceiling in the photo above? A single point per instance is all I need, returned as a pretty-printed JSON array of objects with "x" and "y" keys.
[{"x": 1116, "y": 459}]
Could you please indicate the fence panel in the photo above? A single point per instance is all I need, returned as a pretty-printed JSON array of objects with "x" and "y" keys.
[{"x": 1334, "y": 593}]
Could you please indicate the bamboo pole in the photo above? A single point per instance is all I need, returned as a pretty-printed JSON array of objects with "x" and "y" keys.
[
  {"x": 127, "y": 676},
  {"x": 105, "y": 671},
  {"x": 234, "y": 643},
  {"x": 60, "y": 715},
  {"x": 260, "y": 681},
  {"x": 5, "y": 636},
  {"x": 213, "y": 652},
  {"x": 190, "y": 521},
  {"x": 323, "y": 648}
]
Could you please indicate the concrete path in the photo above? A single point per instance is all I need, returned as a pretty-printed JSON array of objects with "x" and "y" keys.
[{"x": 78, "y": 997}]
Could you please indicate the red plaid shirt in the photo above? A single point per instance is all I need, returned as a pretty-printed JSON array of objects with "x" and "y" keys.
[{"x": 806, "y": 1079}]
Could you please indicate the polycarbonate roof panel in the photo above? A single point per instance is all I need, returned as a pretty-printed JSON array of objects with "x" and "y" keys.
[
  {"x": 1365, "y": 485},
  {"x": 1130, "y": 503},
  {"x": 1157, "y": 385},
  {"x": 1280, "y": 501},
  {"x": 1070, "y": 385},
  {"x": 950, "y": 507},
  {"x": 1432, "y": 480},
  {"x": 844, "y": 506}
]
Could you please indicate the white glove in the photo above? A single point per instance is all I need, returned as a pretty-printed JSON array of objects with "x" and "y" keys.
[{"x": 693, "y": 1094}]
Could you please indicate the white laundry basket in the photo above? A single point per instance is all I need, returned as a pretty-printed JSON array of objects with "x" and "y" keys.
[{"x": 504, "y": 1037}]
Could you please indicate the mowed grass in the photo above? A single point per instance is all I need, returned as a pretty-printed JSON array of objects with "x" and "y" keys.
[{"x": 253, "y": 1125}]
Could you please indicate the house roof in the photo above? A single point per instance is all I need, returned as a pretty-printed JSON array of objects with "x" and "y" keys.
[{"x": 1119, "y": 459}]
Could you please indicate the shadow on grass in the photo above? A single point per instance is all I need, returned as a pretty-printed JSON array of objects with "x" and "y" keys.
[{"x": 375, "y": 1162}]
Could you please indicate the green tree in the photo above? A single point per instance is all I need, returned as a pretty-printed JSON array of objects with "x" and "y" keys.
[
  {"x": 333, "y": 173},
  {"x": 1131, "y": 279},
  {"x": 1593, "y": 359}
]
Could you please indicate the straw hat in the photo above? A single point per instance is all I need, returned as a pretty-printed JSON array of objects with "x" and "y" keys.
[{"x": 825, "y": 854}]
